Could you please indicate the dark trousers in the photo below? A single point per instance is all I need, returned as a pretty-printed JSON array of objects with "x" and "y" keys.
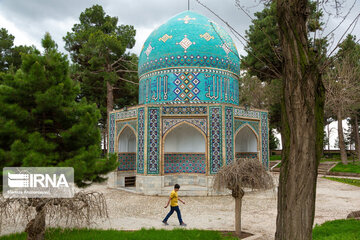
[{"x": 172, "y": 209}]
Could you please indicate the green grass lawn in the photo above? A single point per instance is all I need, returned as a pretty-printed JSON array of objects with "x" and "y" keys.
[
  {"x": 338, "y": 230},
  {"x": 275, "y": 157},
  {"x": 144, "y": 234},
  {"x": 355, "y": 182},
  {"x": 351, "y": 167}
]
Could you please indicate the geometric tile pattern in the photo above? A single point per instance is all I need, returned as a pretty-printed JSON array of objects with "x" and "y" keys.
[
  {"x": 253, "y": 124},
  {"x": 121, "y": 125},
  {"x": 215, "y": 139},
  {"x": 265, "y": 139},
  {"x": 186, "y": 86},
  {"x": 184, "y": 163},
  {"x": 252, "y": 155},
  {"x": 126, "y": 114},
  {"x": 229, "y": 144},
  {"x": 169, "y": 123},
  {"x": 238, "y": 112},
  {"x": 111, "y": 132},
  {"x": 141, "y": 141},
  {"x": 153, "y": 140},
  {"x": 188, "y": 60},
  {"x": 184, "y": 110},
  {"x": 127, "y": 161}
]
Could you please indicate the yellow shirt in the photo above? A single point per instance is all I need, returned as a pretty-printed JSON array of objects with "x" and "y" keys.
[{"x": 174, "y": 199}]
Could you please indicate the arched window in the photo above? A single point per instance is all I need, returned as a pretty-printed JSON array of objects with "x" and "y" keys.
[
  {"x": 127, "y": 141},
  {"x": 127, "y": 150},
  {"x": 184, "y": 150},
  {"x": 246, "y": 144}
]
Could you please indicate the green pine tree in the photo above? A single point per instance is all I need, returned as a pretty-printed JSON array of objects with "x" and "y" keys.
[{"x": 42, "y": 122}]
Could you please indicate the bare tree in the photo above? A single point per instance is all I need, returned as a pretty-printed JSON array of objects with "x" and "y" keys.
[
  {"x": 82, "y": 209},
  {"x": 342, "y": 92},
  {"x": 243, "y": 173}
]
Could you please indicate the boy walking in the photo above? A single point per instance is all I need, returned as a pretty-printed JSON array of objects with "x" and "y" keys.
[{"x": 174, "y": 206}]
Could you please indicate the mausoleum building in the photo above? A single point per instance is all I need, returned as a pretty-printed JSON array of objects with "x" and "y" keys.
[{"x": 188, "y": 123}]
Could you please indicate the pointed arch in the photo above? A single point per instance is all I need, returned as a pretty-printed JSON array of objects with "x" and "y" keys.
[
  {"x": 184, "y": 149},
  {"x": 246, "y": 142},
  {"x": 126, "y": 148}
]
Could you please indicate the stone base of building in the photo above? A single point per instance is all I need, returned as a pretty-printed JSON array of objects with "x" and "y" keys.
[{"x": 191, "y": 185}]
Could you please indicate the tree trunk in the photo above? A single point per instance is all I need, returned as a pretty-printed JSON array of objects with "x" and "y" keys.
[
  {"x": 302, "y": 124},
  {"x": 328, "y": 128},
  {"x": 35, "y": 229},
  {"x": 341, "y": 139},
  {"x": 357, "y": 137},
  {"x": 238, "y": 216},
  {"x": 109, "y": 104},
  {"x": 238, "y": 195}
]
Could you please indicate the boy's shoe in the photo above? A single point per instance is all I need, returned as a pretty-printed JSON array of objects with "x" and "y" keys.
[
  {"x": 183, "y": 224},
  {"x": 165, "y": 223}
]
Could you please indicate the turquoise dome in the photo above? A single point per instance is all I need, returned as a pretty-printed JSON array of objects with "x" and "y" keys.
[{"x": 189, "y": 58}]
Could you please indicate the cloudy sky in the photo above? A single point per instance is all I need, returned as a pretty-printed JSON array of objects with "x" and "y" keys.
[{"x": 28, "y": 20}]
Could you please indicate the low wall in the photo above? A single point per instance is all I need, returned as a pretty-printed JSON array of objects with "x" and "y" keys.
[
  {"x": 184, "y": 163},
  {"x": 127, "y": 161}
]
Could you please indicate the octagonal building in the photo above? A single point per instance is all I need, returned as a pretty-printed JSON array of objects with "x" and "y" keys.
[{"x": 188, "y": 123}]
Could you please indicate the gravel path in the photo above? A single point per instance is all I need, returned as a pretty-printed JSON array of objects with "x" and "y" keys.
[{"x": 129, "y": 211}]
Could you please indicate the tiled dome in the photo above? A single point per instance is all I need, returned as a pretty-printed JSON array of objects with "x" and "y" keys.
[{"x": 189, "y": 47}]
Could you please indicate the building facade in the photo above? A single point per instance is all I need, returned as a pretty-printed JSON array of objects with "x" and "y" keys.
[{"x": 188, "y": 123}]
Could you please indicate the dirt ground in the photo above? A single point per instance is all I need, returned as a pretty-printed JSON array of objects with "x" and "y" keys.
[{"x": 129, "y": 211}]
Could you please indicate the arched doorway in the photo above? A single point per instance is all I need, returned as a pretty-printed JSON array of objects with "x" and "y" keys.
[
  {"x": 246, "y": 143},
  {"x": 185, "y": 150},
  {"x": 127, "y": 150}
]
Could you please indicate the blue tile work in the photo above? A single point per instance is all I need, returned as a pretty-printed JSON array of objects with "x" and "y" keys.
[
  {"x": 191, "y": 86},
  {"x": 253, "y": 124},
  {"x": 229, "y": 135},
  {"x": 215, "y": 139},
  {"x": 238, "y": 112},
  {"x": 252, "y": 155},
  {"x": 126, "y": 114},
  {"x": 189, "y": 61},
  {"x": 184, "y": 163},
  {"x": 169, "y": 123},
  {"x": 189, "y": 39},
  {"x": 153, "y": 143},
  {"x": 141, "y": 141},
  {"x": 127, "y": 161},
  {"x": 121, "y": 125},
  {"x": 265, "y": 139},
  {"x": 111, "y": 132},
  {"x": 186, "y": 86},
  {"x": 184, "y": 110}
]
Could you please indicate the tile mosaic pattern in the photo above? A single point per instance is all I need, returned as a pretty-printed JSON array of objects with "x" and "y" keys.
[
  {"x": 141, "y": 141},
  {"x": 238, "y": 112},
  {"x": 215, "y": 139},
  {"x": 252, "y": 155},
  {"x": 184, "y": 110},
  {"x": 184, "y": 163},
  {"x": 186, "y": 86},
  {"x": 169, "y": 123},
  {"x": 229, "y": 144},
  {"x": 126, "y": 114},
  {"x": 121, "y": 125},
  {"x": 265, "y": 139},
  {"x": 153, "y": 143},
  {"x": 111, "y": 132},
  {"x": 127, "y": 161},
  {"x": 253, "y": 124}
]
